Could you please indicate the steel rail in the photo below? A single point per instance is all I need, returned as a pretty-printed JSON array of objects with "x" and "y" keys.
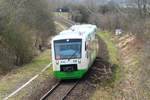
[
  {"x": 46, "y": 95},
  {"x": 65, "y": 96},
  {"x": 50, "y": 91}
]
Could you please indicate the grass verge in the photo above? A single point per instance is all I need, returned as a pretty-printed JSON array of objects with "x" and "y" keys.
[
  {"x": 113, "y": 53},
  {"x": 18, "y": 77},
  {"x": 106, "y": 92}
]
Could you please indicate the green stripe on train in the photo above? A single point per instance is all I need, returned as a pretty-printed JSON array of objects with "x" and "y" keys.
[
  {"x": 69, "y": 75},
  {"x": 74, "y": 74}
]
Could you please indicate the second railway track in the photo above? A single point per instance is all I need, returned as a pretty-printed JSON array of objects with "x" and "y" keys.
[
  {"x": 60, "y": 91},
  {"x": 65, "y": 21}
]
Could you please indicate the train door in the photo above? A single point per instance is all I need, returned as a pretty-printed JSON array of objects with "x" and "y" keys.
[{"x": 89, "y": 50}]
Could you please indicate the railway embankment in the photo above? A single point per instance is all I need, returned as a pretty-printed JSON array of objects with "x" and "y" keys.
[
  {"x": 129, "y": 79},
  {"x": 17, "y": 78},
  {"x": 132, "y": 85}
]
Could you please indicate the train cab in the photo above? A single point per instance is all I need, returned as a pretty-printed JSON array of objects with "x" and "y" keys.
[{"x": 71, "y": 56}]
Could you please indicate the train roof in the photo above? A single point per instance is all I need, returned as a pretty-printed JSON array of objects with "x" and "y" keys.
[
  {"x": 76, "y": 31},
  {"x": 83, "y": 26}
]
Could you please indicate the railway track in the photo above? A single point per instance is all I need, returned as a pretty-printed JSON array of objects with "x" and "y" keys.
[
  {"x": 65, "y": 21},
  {"x": 60, "y": 90},
  {"x": 63, "y": 88}
]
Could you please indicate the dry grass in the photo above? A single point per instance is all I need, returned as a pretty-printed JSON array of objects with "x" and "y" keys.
[
  {"x": 105, "y": 92},
  {"x": 63, "y": 14},
  {"x": 16, "y": 78},
  {"x": 130, "y": 87},
  {"x": 131, "y": 80}
]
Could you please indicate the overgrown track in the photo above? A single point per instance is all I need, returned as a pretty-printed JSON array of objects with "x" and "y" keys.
[
  {"x": 60, "y": 91},
  {"x": 65, "y": 21}
]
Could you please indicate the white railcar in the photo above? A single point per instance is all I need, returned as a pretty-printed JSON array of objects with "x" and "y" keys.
[{"x": 73, "y": 51}]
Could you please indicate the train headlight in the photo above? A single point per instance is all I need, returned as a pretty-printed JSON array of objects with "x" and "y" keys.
[
  {"x": 57, "y": 62},
  {"x": 79, "y": 61}
]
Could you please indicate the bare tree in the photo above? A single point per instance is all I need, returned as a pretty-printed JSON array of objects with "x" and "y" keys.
[
  {"x": 142, "y": 5},
  {"x": 24, "y": 24}
]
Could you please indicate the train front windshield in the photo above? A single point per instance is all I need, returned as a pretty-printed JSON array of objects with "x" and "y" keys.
[{"x": 67, "y": 49}]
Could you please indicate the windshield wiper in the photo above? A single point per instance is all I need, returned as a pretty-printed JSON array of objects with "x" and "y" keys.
[{"x": 73, "y": 55}]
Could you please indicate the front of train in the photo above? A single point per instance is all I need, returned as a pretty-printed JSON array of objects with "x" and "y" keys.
[{"x": 67, "y": 57}]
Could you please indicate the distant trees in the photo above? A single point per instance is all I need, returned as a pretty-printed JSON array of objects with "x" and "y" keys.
[
  {"x": 106, "y": 8},
  {"x": 105, "y": 16},
  {"x": 133, "y": 17},
  {"x": 80, "y": 14},
  {"x": 142, "y": 5},
  {"x": 139, "y": 16},
  {"x": 24, "y": 26}
]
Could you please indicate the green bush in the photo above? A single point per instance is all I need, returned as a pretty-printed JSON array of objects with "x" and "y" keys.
[{"x": 80, "y": 14}]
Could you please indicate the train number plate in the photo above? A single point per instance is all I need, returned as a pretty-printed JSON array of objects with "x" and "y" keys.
[{"x": 68, "y": 68}]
